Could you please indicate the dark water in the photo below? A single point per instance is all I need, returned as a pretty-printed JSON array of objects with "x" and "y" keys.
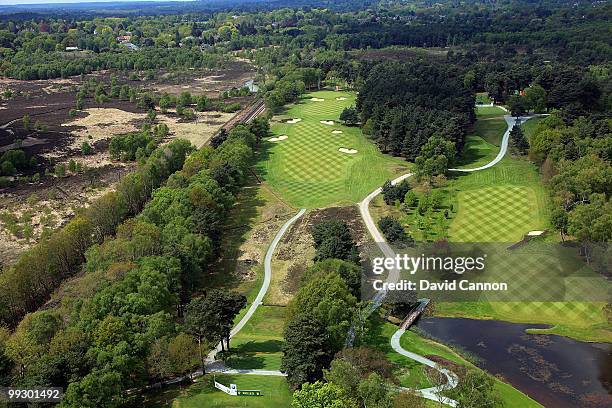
[{"x": 555, "y": 371}]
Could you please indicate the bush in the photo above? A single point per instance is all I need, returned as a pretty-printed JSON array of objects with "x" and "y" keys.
[
  {"x": 392, "y": 193},
  {"x": 60, "y": 170},
  {"x": 410, "y": 199},
  {"x": 124, "y": 147},
  {"x": 393, "y": 230},
  {"x": 231, "y": 108},
  {"x": 86, "y": 148},
  {"x": 8, "y": 169},
  {"x": 332, "y": 239}
]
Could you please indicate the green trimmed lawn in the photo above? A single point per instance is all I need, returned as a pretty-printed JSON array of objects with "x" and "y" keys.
[
  {"x": 530, "y": 126},
  {"x": 499, "y": 204},
  {"x": 258, "y": 344},
  {"x": 482, "y": 144},
  {"x": 477, "y": 152},
  {"x": 495, "y": 214},
  {"x": 202, "y": 394},
  {"x": 308, "y": 170},
  {"x": 489, "y": 111},
  {"x": 490, "y": 129}
]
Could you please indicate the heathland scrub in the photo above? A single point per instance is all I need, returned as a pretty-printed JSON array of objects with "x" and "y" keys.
[{"x": 308, "y": 170}]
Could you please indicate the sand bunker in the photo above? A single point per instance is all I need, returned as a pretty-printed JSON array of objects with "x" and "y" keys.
[
  {"x": 327, "y": 122},
  {"x": 278, "y": 139},
  {"x": 317, "y": 99},
  {"x": 347, "y": 151},
  {"x": 341, "y": 98},
  {"x": 336, "y": 132},
  {"x": 294, "y": 120}
]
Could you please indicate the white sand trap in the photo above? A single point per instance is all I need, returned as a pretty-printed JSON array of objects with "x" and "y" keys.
[
  {"x": 317, "y": 99},
  {"x": 336, "y": 132},
  {"x": 347, "y": 151},
  {"x": 294, "y": 120},
  {"x": 341, "y": 98},
  {"x": 327, "y": 122},
  {"x": 278, "y": 139}
]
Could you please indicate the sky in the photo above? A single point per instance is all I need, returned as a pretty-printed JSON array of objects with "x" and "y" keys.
[{"x": 13, "y": 2}]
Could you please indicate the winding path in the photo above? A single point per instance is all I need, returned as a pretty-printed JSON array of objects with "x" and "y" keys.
[
  {"x": 432, "y": 393},
  {"x": 511, "y": 122},
  {"x": 217, "y": 366}
]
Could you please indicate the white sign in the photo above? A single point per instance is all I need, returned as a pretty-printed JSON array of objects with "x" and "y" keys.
[{"x": 231, "y": 390}]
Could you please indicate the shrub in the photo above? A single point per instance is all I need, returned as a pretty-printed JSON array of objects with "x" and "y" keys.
[
  {"x": 393, "y": 230},
  {"x": 86, "y": 148},
  {"x": 124, "y": 147}
]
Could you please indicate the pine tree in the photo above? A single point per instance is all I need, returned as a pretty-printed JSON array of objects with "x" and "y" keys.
[{"x": 518, "y": 139}]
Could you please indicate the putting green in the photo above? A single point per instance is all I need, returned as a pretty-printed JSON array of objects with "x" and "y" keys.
[
  {"x": 495, "y": 214},
  {"x": 307, "y": 169}
]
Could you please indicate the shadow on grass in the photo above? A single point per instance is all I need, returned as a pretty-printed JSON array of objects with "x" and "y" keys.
[
  {"x": 234, "y": 232},
  {"x": 267, "y": 346},
  {"x": 245, "y": 361},
  {"x": 472, "y": 154}
]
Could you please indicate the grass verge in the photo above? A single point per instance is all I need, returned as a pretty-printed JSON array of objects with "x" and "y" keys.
[{"x": 203, "y": 394}]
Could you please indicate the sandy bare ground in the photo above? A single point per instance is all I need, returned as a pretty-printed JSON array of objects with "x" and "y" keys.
[
  {"x": 104, "y": 123},
  {"x": 336, "y": 132},
  {"x": 42, "y": 211},
  {"x": 294, "y": 120},
  {"x": 347, "y": 151},
  {"x": 101, "y": 124},
  {"x": 327, "y": 122},
  {"x": 199, "y": 131},
  {"x": 278, "y": 139}
]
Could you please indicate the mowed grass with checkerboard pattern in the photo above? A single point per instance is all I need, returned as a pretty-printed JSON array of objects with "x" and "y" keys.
[
  {"x": 495, "y": 214},
  {"x": 501, "y": 204},
  {"x": 307, "y": 170}
]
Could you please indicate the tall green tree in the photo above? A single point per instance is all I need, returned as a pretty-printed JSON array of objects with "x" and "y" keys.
[
  {"x": 518, "y": 139},
  {"x": 306, "y": 351},
  {"x": 437, "y": 155}
]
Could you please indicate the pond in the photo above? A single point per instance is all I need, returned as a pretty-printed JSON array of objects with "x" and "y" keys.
[{"x": 555, "y": 371}]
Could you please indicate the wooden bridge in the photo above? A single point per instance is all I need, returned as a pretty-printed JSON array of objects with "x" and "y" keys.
[{"x": 414, "y": 313}]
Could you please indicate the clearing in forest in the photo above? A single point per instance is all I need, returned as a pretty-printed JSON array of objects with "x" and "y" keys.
[{"x": 309, "y": 170}]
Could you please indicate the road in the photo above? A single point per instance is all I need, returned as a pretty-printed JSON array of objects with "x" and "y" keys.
[
  {"x": 393, "y": 276},
  {"x": 432, "y": 393},
  {"x": 364, "y": 209}
]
